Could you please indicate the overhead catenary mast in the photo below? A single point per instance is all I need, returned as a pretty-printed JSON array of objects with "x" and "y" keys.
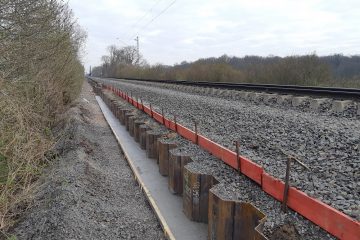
[{"x": 137, "y": 50}]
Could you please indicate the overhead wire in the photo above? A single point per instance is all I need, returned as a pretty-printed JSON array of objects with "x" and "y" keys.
[
  {"x": 153, "y": 19},
  {"x": 147, "y": 12},
  {"x": 138, "y": 21}
]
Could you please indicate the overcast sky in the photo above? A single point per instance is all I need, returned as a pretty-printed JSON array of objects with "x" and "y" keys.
[{"x": 191, "y": 29}]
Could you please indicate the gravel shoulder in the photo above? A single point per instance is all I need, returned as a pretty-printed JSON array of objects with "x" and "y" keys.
[
  {"x": 329, "y": 145},
  {"x": 89, "y": 191}
]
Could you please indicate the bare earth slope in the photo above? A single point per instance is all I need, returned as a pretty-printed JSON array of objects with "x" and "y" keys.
[{"x": 89, "y": 192}]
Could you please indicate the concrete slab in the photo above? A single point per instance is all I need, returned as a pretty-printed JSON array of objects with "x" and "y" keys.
[
  {"x": 202, "y": 90},
  {"x": 297, "y": 101},
  {"x": 168, "y": 207},
  {"x": 222, "y": 92},
  {"x": 340, "y": 106},
  {"x": 217, "y": 91},
  {"x": 255, "y": 96},
  {"x": 315, "y": 103},
  {"x": 228, "y": 93},
  {"x": 244, "y": 95},
  {"x": 268, "y": 97},
  {"x": 282, "y": 98},
  {"x": 236, "y": 95}
]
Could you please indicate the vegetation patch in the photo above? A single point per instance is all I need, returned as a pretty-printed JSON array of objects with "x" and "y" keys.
[
  {"x": 309, "y": 70},
  {"x": 40, "y": 74}
]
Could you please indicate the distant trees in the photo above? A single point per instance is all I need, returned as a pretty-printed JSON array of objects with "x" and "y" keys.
[
  {"x": 298, "y": 70},
  {"x": 117, "y": 60}
]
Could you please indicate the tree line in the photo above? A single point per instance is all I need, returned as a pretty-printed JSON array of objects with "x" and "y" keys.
[{"x": 333, "y": 70}]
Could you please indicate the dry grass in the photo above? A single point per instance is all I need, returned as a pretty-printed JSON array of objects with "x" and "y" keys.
[
  {"x": 22, "y": 149},
  {"x": 40, "y": 74}
]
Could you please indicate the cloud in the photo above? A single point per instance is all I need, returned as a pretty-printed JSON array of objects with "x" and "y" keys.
[{"x": 189, "y": 30}]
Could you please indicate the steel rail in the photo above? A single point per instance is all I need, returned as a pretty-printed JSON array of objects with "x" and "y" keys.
[{"x": 291, "y": 89}]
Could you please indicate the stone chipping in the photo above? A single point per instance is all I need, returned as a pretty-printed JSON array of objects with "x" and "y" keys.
[
  {"x": 329, "y": 144},
  {"x": 234, "y": 186}
]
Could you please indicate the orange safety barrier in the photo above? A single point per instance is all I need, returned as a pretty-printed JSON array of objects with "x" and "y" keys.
[
  {"x": 251, "y": 169},
  {"x": 328, "y": 218},
  {"x": 158, "y": 117},
  {"x": 173, "y": 126},
  {"x": 229, "y": 157},
  {"x": 186, "y": 133},
  {"x": 167, "y": 123},
  {"x": 147, "y": 110},
  {"x": 210, "y": 146},
  {"x": 140, "y": 106},
  {"x": 272, "y": 186}
]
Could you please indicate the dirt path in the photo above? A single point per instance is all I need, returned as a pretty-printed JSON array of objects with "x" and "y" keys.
[{"x": 89, "y": 192}]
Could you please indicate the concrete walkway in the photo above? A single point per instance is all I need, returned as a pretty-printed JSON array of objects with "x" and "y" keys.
[{"x": 167, "y": 206}]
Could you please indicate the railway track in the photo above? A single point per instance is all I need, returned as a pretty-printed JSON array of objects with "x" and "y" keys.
[
  {"x": 343, "y": 93},
  {"x": 171, "y": 102}
]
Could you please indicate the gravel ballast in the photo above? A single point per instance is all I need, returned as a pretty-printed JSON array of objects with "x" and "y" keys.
[
  {"x": 233, "y": 186},
  {"x": 89, "y": 192},
  {"x": 328, "y": 144}
]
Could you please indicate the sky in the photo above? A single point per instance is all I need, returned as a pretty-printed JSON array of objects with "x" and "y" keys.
[{"x": 171, "y": 31}]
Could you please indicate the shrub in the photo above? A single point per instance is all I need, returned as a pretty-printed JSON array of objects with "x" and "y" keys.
[{"x": 40, "y": 74}]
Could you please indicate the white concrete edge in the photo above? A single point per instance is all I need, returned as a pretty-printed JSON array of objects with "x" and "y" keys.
[{"x": 163, "y": 223}]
